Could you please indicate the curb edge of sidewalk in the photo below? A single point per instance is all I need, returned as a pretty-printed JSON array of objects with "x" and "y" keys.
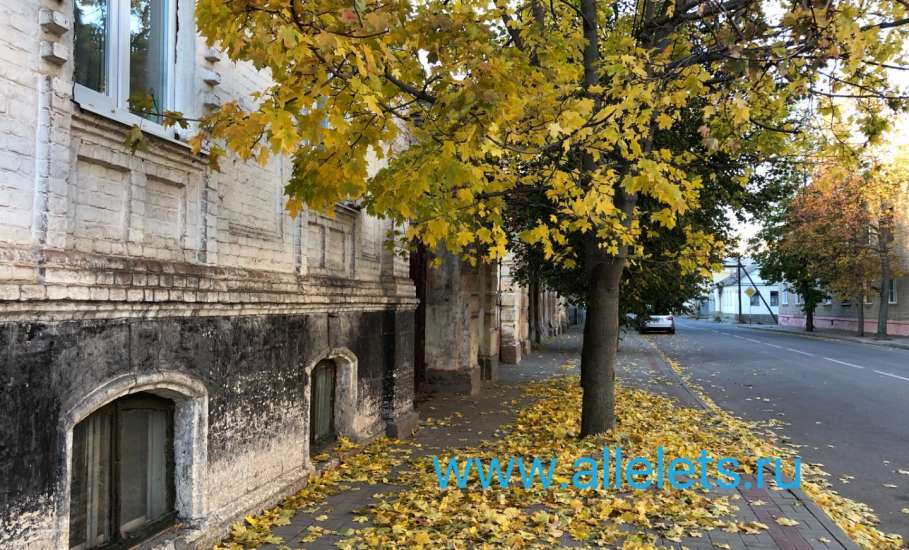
[{"x": 838, "y": 534}]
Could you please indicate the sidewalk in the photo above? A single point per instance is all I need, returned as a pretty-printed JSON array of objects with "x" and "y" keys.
[
  {"x": 451, "y": 422},
  {"x": 899, "y": 342},
  {"x": 448, "y": 421}
]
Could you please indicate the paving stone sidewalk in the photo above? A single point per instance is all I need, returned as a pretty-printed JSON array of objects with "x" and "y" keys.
[{"x": 469, "y": 420}]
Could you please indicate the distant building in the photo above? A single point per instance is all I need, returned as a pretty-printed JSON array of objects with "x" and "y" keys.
[
  {"x": 760, "y": 300},
  {"x": 842, "y": 314}
]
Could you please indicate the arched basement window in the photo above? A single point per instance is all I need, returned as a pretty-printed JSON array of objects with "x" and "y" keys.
[
  {"x": 322, "y": 430},
  {"x": 122, "y": 483}
]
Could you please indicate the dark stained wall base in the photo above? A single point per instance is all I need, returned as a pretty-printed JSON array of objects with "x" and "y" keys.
[
  {"x": 460, "y": 381},
  {"x": 253, "y": 368}
]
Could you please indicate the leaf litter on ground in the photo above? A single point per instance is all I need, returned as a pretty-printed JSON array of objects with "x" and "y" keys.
[{"x": 424, "y": 516}]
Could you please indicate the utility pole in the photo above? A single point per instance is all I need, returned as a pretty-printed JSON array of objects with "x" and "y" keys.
[
  {"x": 761, "y": 296},
  {"x": 738, "y": 269}
]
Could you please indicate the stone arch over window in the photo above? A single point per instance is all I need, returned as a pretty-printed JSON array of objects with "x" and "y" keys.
[
  {"x": 347, "y": 420},
  {"x": 190, "y": 436}
]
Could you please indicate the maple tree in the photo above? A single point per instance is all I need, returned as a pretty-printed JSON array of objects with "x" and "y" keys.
[
  {"x": 884, "y": 195},
  {"x": 783, "y": 261},
  {"x": 829, "y": 226},
  {"x": 843, "y": 222},
  {"x": 469, "y": 102},
  {"x": 655, "y": 278}
]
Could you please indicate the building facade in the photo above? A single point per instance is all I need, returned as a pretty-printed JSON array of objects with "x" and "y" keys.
[
  {"x": 515, "y": 316},
  {"x": 841, "y": 314},
  {"x": 515, "y": 313},
  {"x": 173, "y": 346},
  {"x": 752, "y": 298},
  {"x": 471, "y": 319}
]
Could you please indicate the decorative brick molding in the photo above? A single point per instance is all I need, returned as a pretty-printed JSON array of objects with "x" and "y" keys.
[{"x": 82, "y": 285}]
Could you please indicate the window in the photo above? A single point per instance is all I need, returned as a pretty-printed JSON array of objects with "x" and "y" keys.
[
  {"x": 774, "y": 298},
  {"x": 785, "y": 296},
  {"x": 891, "y": 295},
  {"x": 756, "y": 299},
  {"x": 798, "y": 299},
  {"x": 828, "y": 300},
  {"x": 322, "y": 406},
  {"x": 122, "y": 474},
  {"x": 123, "y": 52}
]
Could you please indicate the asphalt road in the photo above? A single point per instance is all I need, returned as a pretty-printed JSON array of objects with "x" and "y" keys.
[{"x": 847, "y": 403}]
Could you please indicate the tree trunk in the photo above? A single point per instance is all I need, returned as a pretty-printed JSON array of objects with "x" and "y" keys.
[
  {"x": 598, "y": 353},
  {"x": 883, "y": 311},
  {"x": 535, "y": 326},
  {"x": 807, "y": 307},
  {"x": 884, "y": 235},
  {"x": 860, "y": 305}
]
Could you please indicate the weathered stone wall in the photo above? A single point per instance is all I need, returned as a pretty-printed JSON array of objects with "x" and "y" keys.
[
  {"x": 451, "y": 358},
  {"x": 515, "y": 302},
  {"x": 462, "y": 324},
  {"x": 477, "y": 317},
  {"x": 514, "y": 317},
  {"x": 120, "y": 267},
  {"x": 253, "y": 368}
]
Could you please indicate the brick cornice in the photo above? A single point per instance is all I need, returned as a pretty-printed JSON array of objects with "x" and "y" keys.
[{"x": 67, "y": 285}]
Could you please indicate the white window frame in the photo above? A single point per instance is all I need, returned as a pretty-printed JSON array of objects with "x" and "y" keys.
[
  {"x": 784, "y": 297},
  {"x": 892, "y": 295},
  {"x": 115, "y": 103}
]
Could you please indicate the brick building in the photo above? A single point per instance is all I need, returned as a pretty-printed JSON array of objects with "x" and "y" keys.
[{"x": 173, "y": 346}]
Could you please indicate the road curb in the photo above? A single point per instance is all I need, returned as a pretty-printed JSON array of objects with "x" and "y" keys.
[
  {"x": 831, "y": 337},
  {"x": 835, "y": 531}
]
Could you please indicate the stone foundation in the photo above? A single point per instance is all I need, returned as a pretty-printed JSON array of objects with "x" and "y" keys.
[
  {"x": 244, "y": 428},
  {"x": 461, "y": 381}
]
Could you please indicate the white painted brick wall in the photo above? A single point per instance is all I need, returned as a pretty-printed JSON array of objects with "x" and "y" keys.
[
  {"x": 18, "y": 106},
  {"x": 68, "y": 184}
]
